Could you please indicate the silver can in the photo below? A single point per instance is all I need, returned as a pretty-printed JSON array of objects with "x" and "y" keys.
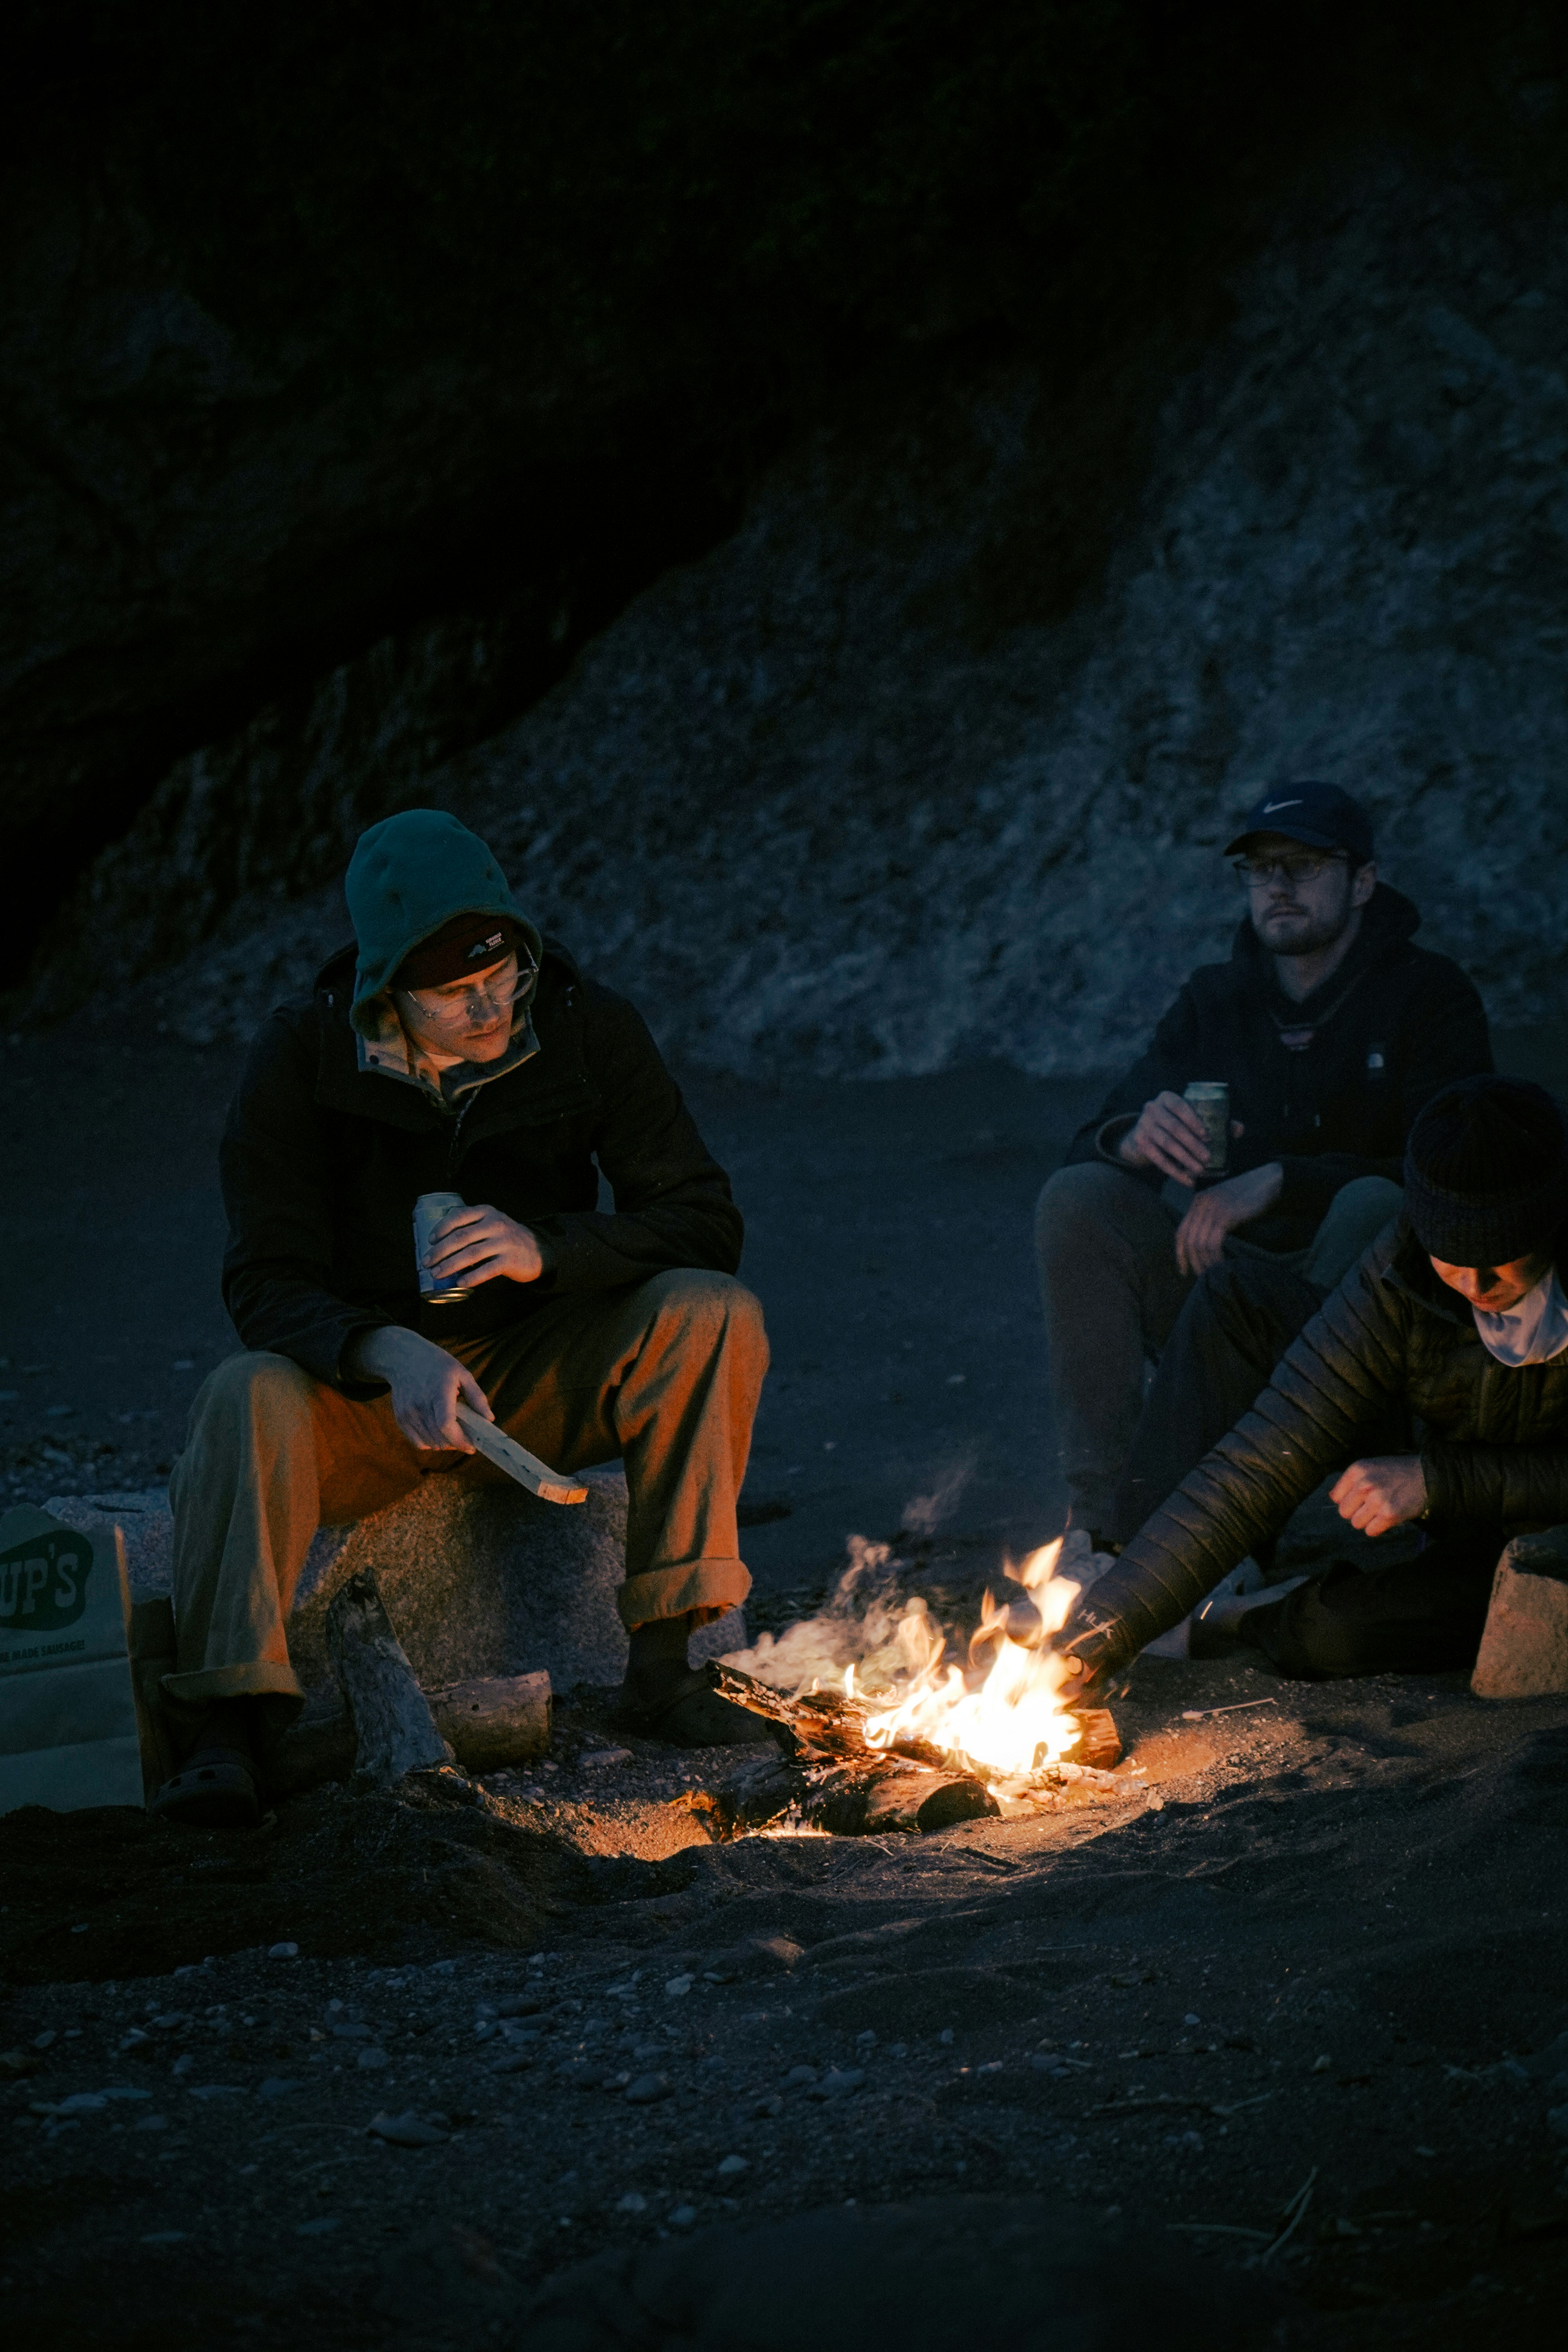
[
  {"x": 428, "y": 1211},
  {"x": 1210, "y": 1097}
]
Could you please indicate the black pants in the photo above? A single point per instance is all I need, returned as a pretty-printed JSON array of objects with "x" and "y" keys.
[
  {"x": 1416, "y": 1616},
  {"x": 1237, "y": 1323}
]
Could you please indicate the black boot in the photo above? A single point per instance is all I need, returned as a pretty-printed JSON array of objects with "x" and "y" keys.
[{"x": 664, "y": 1697}]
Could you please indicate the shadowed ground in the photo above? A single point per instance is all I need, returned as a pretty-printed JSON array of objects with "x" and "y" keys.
[{"x": 1296, "y": 1978}]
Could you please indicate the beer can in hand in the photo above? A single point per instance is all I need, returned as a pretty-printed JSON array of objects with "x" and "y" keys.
[
  {"x": 428, "y": 1211},
  {"x": 1210, "y": 1100}
]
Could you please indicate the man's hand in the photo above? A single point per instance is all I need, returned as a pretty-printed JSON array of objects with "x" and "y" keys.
[
  {"x": 1377, "y": 1495},
  {"x": 474, "y": 1245},
  {"x": 1199, "y": 1236},
  {"x": 427, "y": 1386},
  {"x": 1169, "y": 1136}
]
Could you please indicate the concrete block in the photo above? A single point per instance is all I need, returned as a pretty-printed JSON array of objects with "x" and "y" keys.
[
  {"x": 478, "y": 1580},
  {"x": 1524, "y": 1648}
]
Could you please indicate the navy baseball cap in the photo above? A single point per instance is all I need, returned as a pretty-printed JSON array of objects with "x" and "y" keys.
[{"x": 1319, "y": 815}]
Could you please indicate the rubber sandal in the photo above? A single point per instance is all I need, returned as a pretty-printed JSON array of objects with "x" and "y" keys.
[
  {"x": 693, "y": 1715},
  {"x": 214, "y": 1791}
]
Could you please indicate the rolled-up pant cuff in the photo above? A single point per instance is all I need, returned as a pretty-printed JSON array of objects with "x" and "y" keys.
[
  {"x": 257, "y": 1679},
  {"x": 708, "y": 1585}
]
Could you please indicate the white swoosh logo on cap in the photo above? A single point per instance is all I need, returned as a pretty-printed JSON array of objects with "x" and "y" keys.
[{"x": 1269, "y": 806}]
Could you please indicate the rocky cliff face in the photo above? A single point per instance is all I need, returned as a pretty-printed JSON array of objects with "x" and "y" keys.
[{"x": 822, "y": 802}]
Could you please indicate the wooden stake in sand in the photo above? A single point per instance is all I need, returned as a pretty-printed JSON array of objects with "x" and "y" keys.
[
  {"x": 392, "y": 1716},
  {"x": 516, "y": 1461}
]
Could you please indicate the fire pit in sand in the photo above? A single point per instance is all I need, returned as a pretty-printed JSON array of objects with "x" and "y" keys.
[{"x": 910, "y": 1741}]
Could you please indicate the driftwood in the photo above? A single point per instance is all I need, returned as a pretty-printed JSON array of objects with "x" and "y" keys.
[
  {"x": 395, "y": 1728},
  {"x": 494, "y": 1721},
  {"x": 491, "y": 1723},
  {"x": 1100, "y": 1743},
  {"x": 518, "y": 1461},
  {"x": 826, "y": 1776}
]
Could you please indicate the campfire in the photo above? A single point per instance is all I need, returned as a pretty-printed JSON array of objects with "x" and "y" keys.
[
  {"x": 902, "y": 1735},
  {"x": 1014, "y": 1723}
]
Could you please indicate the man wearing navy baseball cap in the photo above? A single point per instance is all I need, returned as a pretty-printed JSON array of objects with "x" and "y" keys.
[{"x": 1329, "y": 1029}]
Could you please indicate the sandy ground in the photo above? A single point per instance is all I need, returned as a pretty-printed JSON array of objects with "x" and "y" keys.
[{"x": 1263, "y": 2035}]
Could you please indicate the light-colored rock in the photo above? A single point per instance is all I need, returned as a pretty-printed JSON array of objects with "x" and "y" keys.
[
  {"x": 479, "y": 1581},
  {"x": 1524, "y": 1649}
]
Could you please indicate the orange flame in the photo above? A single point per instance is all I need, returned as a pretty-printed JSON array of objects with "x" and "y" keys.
[{"x": 1011, "y": 1720}]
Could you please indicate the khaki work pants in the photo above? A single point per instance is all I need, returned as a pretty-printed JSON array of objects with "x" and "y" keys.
[{"x": 666, "y": 1375}]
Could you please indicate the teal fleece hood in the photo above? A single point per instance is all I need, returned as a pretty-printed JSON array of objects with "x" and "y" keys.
[{"x": 408, "y": 875}]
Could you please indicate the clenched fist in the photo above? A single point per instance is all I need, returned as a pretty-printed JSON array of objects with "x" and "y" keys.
[{"x": 1378, "y": 1496}]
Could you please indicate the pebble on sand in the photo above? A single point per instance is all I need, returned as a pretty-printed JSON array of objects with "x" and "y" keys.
[
  {"x": 732, "y": 2167},
  {"x": 838, "y": 2082},
  {"x": 283, "y": 1951},
  {"x": 408, "y": 2130},
  {"x": 644, "y": 2089}
]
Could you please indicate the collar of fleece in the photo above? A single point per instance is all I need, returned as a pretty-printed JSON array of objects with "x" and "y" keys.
[{"x": 385, "y": 1047}]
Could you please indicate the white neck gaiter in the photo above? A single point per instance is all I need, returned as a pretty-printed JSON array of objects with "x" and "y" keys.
[{"x": 1534, "y": 1331}]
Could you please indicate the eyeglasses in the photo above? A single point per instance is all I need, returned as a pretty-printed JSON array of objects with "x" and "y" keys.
[
  {"x": 482, "y": 1002},
  {"x": 1256, "y": 873}
]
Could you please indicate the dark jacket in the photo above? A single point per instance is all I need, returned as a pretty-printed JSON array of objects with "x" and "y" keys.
[
  {"x": 1392, "y": 1339},
  {"x": 1369, "y": 1049},
  {"x": 323, "y": 1161}
]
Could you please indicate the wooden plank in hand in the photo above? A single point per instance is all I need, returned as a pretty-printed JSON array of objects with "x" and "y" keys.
[{"x": 516, "y": 1461}]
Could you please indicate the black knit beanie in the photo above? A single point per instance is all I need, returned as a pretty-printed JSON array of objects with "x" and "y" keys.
[{"x": 1486, "y": 1172}]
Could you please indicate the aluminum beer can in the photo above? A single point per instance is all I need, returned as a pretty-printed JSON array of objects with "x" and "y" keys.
[
  {"x": 428, "y": 1211},
  {"x": 1210, "y": 1100}
]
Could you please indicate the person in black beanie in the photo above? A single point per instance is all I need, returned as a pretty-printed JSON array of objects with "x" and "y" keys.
[
  {"x": 1434, "y": 1380},
  {"x": 1481, "y": 1170}
]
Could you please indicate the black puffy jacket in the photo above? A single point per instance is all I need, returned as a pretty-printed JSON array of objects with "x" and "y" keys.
[
  {"x": 321, "y": 1163},
  {"x": 1328, "y": 1086},
  {"x": 1493, "y": 1441}
]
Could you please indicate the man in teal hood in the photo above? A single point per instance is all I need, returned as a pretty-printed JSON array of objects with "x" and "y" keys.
[{"x": 452, "y": 1050}]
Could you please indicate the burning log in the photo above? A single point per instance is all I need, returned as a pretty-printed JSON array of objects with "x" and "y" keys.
[
  {"x": 828, "y": 1776},
  {"x": 1100, "y": 1743}
]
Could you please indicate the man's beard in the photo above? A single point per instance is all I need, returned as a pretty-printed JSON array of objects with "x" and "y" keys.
[{"x": 1302, "y": 937}]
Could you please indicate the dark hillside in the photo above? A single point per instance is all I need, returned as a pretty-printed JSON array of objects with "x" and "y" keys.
[{"x": 324, "y": 332}]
